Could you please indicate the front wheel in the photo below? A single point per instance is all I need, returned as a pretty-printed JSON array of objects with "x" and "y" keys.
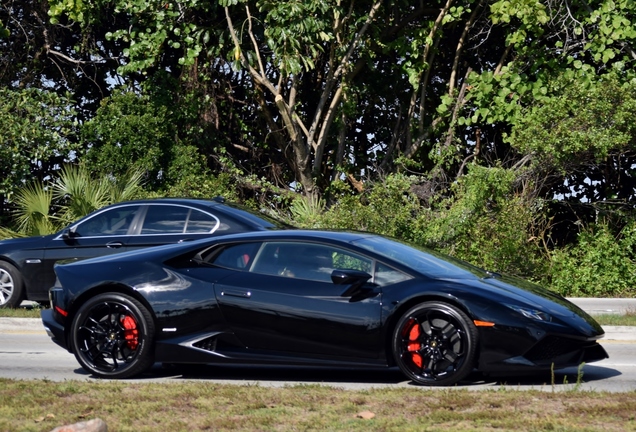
[
  {"x": 112, "y": 336},
  {"x": 11, "y": 286},
  {"x": 434, "y": 344}
]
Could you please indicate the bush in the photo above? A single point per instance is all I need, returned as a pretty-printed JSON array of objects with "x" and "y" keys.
[
  {"x": 386, "y": 207},
  {"x": 484, "y": 222},
  {"x": 599, "y": 265}
]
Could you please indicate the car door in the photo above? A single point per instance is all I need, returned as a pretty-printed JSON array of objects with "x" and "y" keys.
[
  {"x": 282, "y": 299},
  {"x": 105, "y": 233},
  {"x": 172, "y": 223}
]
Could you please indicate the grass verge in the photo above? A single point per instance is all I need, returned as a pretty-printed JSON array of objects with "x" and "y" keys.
[
  {"x": 21, "y": 312},
  {"x": 627, "y": 319},
  {"x": 44, "y": 405}
]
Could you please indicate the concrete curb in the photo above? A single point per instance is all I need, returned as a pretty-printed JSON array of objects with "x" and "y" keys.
[{"x": 21, "y": 325}]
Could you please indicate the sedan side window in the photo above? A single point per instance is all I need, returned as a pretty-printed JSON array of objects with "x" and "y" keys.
[
  {"x": 306, "y": 260},
  {"x": 110, "y": 222},
  {"x": 200, "y": 223},
  {"x": 162, "y": 219},
  {"x": 172, "y": 219}
]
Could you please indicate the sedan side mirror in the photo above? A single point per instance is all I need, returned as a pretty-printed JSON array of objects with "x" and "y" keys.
[
  {"x": 355, "y": 278},
  {"x": 68, "y": 233}
]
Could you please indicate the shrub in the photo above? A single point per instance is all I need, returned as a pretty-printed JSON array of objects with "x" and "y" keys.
[
  {"x": 600, "y": 264},
  {"x": 484, "y": 222}
]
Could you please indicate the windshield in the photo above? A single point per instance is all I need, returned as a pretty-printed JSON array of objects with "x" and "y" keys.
[{"x": 423, "y": 260}]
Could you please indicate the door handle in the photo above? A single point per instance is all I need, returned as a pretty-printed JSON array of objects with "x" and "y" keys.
[
  {"x": 185, "y": 240},
  {"x": 114, "y": 245},
  {"x": 236, "y": 293}
]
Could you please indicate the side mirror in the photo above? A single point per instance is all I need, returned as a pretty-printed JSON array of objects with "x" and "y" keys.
[
  {"x": 354, "y": 278},
  {"x": 68, "y": 233}
]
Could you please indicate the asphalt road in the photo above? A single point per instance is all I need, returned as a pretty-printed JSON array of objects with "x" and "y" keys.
[{"x": 27, "y": 353}]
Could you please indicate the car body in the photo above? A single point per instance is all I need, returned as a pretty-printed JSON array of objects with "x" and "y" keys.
[
  {"x": 26, "y": 264},
  {"x": 315, "y": 298}
]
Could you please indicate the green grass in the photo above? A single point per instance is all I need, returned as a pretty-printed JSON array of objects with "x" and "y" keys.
[
  {"x": 195, "y": 406},
  {"x": 21, "y": 312},
  {"x": 627, "y": 319}
]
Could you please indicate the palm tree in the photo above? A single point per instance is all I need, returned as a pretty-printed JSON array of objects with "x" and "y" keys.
[{"x": 45, "y": 209}]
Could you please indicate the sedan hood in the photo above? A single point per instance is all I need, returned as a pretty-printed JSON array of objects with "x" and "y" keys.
[{"x": 24, "y": 242}]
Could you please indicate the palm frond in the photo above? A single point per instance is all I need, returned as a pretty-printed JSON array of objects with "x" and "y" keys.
[
  {"x": 306, "y": 211},
  {"x": 80, "y": 193},
  {"x": 126, "y": 187},
  {"x": 33, "y": 204},
  {"x": 7, "y": 233}
]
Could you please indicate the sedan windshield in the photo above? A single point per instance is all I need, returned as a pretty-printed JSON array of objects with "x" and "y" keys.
[{"x": 420, "y": 259}]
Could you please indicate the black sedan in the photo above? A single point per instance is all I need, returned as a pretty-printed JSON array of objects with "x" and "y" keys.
[
  {"x": 311, "y": 298},
  {"x": 26, "y": 264}
]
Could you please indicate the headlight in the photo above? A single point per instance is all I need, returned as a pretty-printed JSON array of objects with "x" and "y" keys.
[{"x": 534, "y": 314}]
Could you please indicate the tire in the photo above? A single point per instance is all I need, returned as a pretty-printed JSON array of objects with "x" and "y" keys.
[
  {"x": 434, "y": 344},
  {"x": 112, "y": 336},
  {"x": 11, "y": 286}
]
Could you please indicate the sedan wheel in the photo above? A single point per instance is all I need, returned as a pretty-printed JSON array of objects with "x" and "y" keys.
[
  {"x": 11, "y": 292},
  {"x": 434, "y": 344},
  {"x": 112, "y": 336}
]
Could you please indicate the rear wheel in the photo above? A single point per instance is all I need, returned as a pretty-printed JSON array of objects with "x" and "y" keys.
[
  {"x": 112, "y": 336},
  {"x": 11, "y": 286},
  {"x": 434, "y": 344}
]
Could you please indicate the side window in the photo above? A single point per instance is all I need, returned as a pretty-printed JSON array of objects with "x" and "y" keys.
[
  {"x": 200, "y": 223},
  {"x": 385, "y": 275},
  {"x": 305, "y": 260},
  {"x": 110, "y": 222},
  {"x": 238, "y": 256},
  {"x": 344, "y": 260},
  {"x": 165, "y": 219}
]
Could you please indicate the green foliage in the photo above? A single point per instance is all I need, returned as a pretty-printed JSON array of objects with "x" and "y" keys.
[
  {"x": 296, "y": 30},
  {"x": 306, "y": 211},
  {"x": 4, "y": 32},
  {"x": 79, "y": 192},
  {"x": 37, "y": 131},
  {"x": 130, "y": 130},
  {"x": 581, "y": 121},
  {"x": 386, "y": 207},
  {"x": 484, "y": 222},
  {"x": 599, "y": 265},
  {"x": 150, "y": 27},
  {"x": 33, "y": 203},
  {"x": 42, "y": 209},
  {"x": 613, "y": 26},
  {"x": 204, "y": 186}
]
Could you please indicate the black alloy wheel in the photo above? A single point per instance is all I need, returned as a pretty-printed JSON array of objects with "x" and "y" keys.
[
  {"x": 11, "y": 286},
  {"x": 434, "y": 344},
  {"x": 112, "y": 336}
]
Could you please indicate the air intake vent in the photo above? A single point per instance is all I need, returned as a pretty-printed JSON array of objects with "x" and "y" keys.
[
  {"x": 552, "y": 347},
  {"x": 208, "y": 344}
]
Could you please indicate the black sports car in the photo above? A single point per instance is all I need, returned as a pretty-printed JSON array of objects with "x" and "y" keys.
[
  {"x": 26, "y": 264},
  {"x": 311, "y": 298}
]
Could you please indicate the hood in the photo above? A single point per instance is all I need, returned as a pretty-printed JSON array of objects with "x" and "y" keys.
[
  {"x": 24, "y": 242},
  {"x": 529, "y": 294}
]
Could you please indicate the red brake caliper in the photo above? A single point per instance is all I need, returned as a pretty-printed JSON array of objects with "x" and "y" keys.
[
  {"x": 414, "y": 345},
  {"x": 131, "y": 334}
]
